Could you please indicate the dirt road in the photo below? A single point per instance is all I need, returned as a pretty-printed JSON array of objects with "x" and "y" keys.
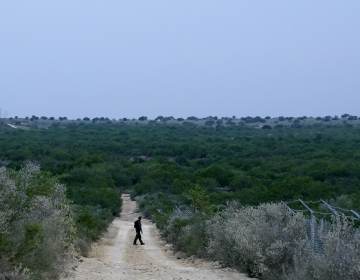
[{"x": 114, "y": 256}]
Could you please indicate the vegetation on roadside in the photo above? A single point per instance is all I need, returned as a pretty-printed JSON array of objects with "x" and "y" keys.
[
  {"x": 37, "y": 230},
  {"x": 183, "y": 176},
  {"x": 270, "y": 242}
]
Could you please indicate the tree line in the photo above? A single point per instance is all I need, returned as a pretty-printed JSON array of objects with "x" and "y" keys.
[{"x": 185, "y": 169}]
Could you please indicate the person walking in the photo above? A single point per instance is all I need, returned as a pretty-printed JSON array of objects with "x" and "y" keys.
[{"x": 138, "y": 229}]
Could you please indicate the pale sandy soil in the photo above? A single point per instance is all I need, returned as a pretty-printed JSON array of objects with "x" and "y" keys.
[{"x": 114, "y": 256}]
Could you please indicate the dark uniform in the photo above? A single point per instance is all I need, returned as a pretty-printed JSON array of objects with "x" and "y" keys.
[{"x": 138, "y": 229}]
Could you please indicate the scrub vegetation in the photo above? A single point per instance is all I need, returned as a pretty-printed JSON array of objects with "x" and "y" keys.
[{"x": 214, "y": 190}]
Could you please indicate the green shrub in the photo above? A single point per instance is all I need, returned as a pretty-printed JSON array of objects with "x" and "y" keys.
[
  {"x": 36, "y": 226},
  {"x": 271, "y": 243},
  {"x": 188, "y": 234}
]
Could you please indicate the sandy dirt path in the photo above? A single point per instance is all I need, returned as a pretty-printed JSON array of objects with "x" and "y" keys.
[{"x": 114, "y": 256}]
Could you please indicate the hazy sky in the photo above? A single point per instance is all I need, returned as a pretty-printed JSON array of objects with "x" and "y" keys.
[{"x": 186, "y": 57}]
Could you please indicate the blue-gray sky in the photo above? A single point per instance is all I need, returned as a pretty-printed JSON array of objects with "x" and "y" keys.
[{"x": 186, "y": 57}]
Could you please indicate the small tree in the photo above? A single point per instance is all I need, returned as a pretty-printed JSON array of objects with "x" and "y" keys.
[{"x": 200, "y": 200}]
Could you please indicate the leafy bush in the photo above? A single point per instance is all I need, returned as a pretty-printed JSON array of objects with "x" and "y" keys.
[
  {"x": 91, "y": 222},
  {"x": 261, "y": 240},
  {"x": 13, "y": 275},
  {"x": 36, "y": 226},
  {"x": 339, "y": 259},
  {"x": 96, "y": 201},
  {"x": 271, "y": 243},
  {"x": 188, "y": 234},
  {"x": 158, "y": 207}
]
